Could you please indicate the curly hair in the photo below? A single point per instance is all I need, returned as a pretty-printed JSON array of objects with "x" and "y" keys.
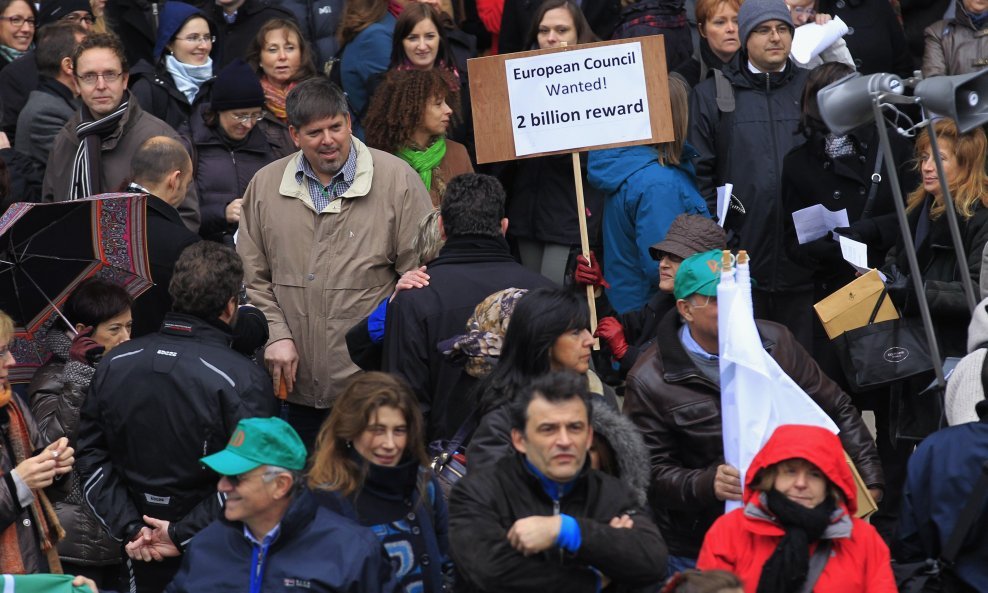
[{"x": 392, "y": 119}]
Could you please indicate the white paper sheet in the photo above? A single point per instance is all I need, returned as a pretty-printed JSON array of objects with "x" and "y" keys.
[
  {"x": 816, "y": 221},
  {"x": 856, "y": 254},
  {"x": 723, "y": 202},
  {"x": 811, "y": 39}
]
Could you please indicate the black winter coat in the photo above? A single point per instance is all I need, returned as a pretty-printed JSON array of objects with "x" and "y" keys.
[
  {"x": 467, "y": 270},
  {"x": 17, "y": 80},
  {"x": 517, "y": 17},
  {"x": 751, "y": 143},
  {"x": 154, "y": 88},
  {"x": 941, "y": 273},
  {"x": 156, "y": 405},
  {"x": 136, "y": 24},
  {"x": 810, "y": 177},
  {"x": 485, "y": 504},
  {"x": 234, "y": 38},
  {"x": 167, "y": 237},
  {"x": 222, "y": 171},
  {"x": 542, "y": 200},
  {"x": 875, "y": 37},
  {"x": 658, "y": 17},
  {"x": 318, "y": 20}
]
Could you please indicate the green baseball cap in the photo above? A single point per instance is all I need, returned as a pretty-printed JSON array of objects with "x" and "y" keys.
[
  {"x": 698, "y": 274},
  {"x": 257, "y": 442}
]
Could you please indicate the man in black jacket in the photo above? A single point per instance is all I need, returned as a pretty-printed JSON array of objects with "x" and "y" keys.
[
  {"x": 474, "y": 263},
  {"x": 162, "y": 169},
  {"x": 745, "y": 146},
  {"x": 160, "y": 402},
  {"x": 543, "y": 520}
]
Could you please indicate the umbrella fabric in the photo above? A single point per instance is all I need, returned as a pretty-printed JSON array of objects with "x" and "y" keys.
[{"x": 47, "y": 250}]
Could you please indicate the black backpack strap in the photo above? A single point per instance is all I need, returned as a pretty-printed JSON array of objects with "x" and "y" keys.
[
  {"x": 876, "y": 180},
  {"x": 725, "y": 124}
]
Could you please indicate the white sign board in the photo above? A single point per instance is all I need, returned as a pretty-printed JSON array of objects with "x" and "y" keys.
[{"x": 572, "y": 99}]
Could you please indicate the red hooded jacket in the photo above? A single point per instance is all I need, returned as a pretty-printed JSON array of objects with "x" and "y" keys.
[{"x": 742, "y": 540}]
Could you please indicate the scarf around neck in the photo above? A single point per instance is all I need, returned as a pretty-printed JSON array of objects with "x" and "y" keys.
[
  {"x": 188, "y": 77},
  {"x": 786, "y": 569},
  {"x": 424, "y": 161},
  {"x": 86, "y": 164},
  {"x": 10, "y": 54},
  {"x": 274, "y": 97}
]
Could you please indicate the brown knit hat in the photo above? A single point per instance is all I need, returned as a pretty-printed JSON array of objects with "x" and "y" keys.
[{"x": 689, "y": 234}]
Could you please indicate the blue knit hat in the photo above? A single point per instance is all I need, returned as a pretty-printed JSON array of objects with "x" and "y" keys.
[
  {"x": 173, "y": 17},
  {"x": 755, "y": 12}
]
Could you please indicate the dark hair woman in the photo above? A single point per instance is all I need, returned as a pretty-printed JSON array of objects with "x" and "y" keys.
[
  {"x": 227, "y": 148},
  {"x": 18, "y": 22},
  {"x": 800, "y": 500},
  {"x": 424, "y": 39},
  {"x": 370, "y": 465},
  {"x": 169, "y": 88},
  {"x": 549, "y": 330},
  {"x": 409, "y": 117},
  {"x": 282, "y": 58},
  {"x": 541, "y": 191},
  {"x": 99, "y": 310}
]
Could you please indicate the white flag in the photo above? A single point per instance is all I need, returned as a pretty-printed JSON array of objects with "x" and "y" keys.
[{"x": 756, "y": 394}]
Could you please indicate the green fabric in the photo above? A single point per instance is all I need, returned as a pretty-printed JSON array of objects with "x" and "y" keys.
[
  {"x": 425, "y": 161},
  {"x": 698, "y": 274},
  {"x": 257, "y": 442},
  {"x": 40, "y": 583}
]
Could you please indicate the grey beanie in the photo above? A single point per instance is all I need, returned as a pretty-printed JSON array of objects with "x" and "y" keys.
[
  {"x": 964, "y": 387},
  {"x": 755, "y": 12}
]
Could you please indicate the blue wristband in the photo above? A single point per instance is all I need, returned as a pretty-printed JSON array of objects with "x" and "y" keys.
[
  {"x": 569, "y": 537},
  {"x": 375, "y": 323}
]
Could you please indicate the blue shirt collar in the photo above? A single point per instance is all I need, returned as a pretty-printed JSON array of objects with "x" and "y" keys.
[
  {"x": 692, "y": 346},
  {"x": 555, "y": 490}
]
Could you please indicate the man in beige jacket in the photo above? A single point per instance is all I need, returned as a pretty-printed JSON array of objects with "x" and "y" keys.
[{"x": 324, "y": 235}]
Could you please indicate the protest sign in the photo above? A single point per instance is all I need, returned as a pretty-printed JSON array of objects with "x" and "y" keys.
[{"x": 560, "y": 100}]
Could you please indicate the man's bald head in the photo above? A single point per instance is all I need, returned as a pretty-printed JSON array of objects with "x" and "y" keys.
[{"x": 163, "y": 166}]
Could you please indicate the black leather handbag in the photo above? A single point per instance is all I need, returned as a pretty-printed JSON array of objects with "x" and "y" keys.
[{"x": 878, "y": 354}]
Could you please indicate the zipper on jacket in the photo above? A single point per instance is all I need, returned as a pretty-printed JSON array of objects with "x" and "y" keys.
[
  {"x": 555, "y": 512},
  {"x": 778, "y": 206},
  {"x": 233, "y": 157}
]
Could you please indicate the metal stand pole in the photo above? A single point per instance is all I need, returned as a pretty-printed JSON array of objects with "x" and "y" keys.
[
  {"x": 907, "y": 241},
  {"x": 951, "y": 211}
]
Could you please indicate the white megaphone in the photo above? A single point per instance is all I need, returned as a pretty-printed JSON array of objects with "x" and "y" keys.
[
  {"x": 845, "y": 104},
  {"x": 963, "y": 98}
]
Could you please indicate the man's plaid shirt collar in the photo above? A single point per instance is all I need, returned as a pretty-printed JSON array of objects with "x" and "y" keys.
[{"x": 322, "y": 195}]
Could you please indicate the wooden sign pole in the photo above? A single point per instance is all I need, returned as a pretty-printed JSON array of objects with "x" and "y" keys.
[{"x": 584, "y": 240}]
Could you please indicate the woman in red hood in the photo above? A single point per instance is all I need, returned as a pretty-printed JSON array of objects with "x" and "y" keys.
[{"x": 799, "y": 496}]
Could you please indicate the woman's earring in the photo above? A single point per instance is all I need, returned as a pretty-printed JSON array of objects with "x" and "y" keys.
[{"x": 349, "y": 444}]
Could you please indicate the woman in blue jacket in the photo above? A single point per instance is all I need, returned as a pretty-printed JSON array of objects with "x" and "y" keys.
[{"x": 647, "y": 187}]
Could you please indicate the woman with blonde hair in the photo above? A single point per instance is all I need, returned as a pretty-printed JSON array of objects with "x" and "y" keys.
[
  {"x": 370, "y": 465},
  {"x": 963, "y": 158},
  {"x": 646, "y": 187}
]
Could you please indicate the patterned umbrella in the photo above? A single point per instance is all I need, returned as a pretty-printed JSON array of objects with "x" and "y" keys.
[{"x": 47, "y": 250}]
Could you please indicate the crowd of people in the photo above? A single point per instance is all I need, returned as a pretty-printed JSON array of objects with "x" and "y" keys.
[{"x": 366, "y": 362}]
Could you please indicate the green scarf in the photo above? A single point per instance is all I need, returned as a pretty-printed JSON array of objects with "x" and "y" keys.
[{"x": 424, "y": 161}]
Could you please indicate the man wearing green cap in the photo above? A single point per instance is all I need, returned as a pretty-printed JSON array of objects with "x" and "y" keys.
[
  {"x": 273, "y": 535},
  {"x": 673, "y": 396}
]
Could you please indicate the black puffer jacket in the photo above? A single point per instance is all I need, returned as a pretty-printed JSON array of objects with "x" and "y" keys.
[
  {"x": 56, "y": 394},
  {"x": 677, "y": 410},
  {"x": 156, "y": 405},
  {"x": 222, "y": 169},
  {"x": 154, "y": 88},
  {"x": 485, "y": 504},
  {"x": 752, "y": 142}
]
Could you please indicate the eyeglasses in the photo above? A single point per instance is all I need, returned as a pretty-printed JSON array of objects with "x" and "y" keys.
[
  {"x": 17, "y": 21},
  {"x": 766, "y": 31},
  {"x": 108, "y": 77},
  {"x": 803, "y": 10},
  {"x": 697, "y": 304},
  {"x": 197, "y": 39},
  {"x": 76, "y": 18},
  {"x": 248, "y": 117},
  {"x": 238, "y": 479}
]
